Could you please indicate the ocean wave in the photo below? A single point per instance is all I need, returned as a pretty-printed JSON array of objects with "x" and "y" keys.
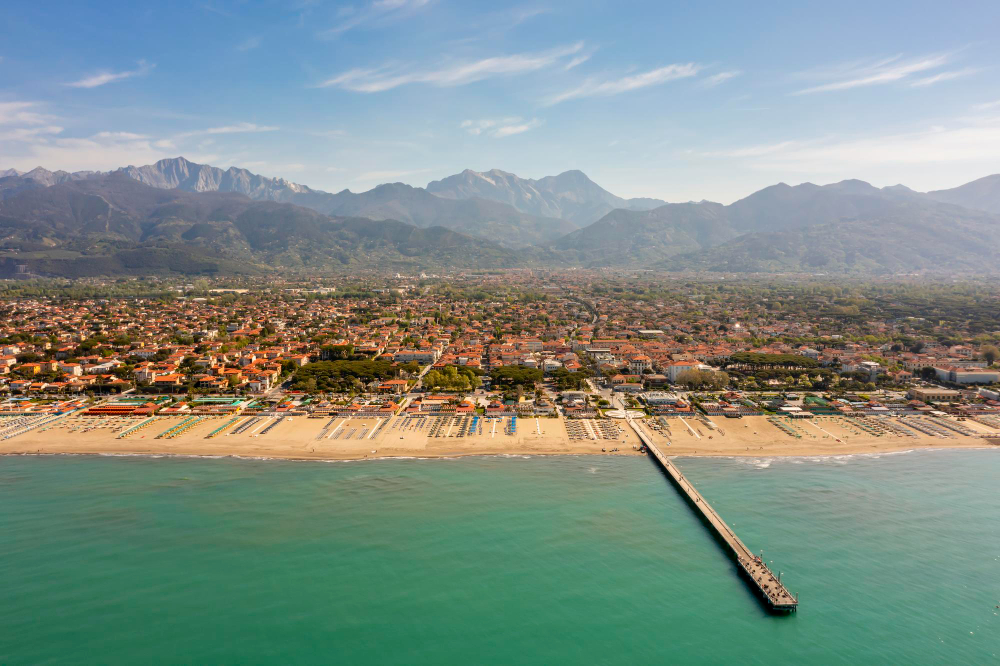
[{"x": 829, "y": 459}]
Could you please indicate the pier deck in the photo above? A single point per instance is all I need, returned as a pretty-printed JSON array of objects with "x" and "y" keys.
[{"x": 773, "y": 591}]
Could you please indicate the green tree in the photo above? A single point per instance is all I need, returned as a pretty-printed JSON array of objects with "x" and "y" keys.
[{"x": 990, "y": 353}]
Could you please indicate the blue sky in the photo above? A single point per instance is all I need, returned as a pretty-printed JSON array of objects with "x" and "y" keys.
[{"x": 678, "y": 102}]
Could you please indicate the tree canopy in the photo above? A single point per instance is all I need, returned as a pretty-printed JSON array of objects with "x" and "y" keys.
[
  {"x": 453, "y": 378},
  {"x": 509, "y": 376},
  {"x": 341, "y": 376}
]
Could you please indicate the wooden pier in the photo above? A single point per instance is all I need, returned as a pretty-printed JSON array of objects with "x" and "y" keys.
[{"x": 778, "y": 598}]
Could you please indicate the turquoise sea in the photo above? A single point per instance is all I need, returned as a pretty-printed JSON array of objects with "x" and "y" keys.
[{"x": 496, "y": 560}]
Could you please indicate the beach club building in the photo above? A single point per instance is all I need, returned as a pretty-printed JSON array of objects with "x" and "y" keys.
[
  {"x": 932, "y": 394},
  {"x": 966, "y": 375},
  {"x": 674, "y": 370}
]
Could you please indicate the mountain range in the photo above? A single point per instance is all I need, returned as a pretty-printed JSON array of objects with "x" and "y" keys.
[
  {"x": 569, "y": 196},
  {"x": 488, "y": 217},
  {"x": 849, "y": 226},
  {"x": 110, "y": 224},
  {"x": 181, "y": 216}
]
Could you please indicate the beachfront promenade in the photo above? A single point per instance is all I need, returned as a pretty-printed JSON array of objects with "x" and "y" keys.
[{"x": 777, "y": 597}]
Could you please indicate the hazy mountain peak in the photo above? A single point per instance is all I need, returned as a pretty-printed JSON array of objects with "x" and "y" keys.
[
  {"x": 575, "y": 174},
  {"x": 980, "y": 194},
  {"x": 854, "y": 186},
  {"x": 571, "y": 195}
]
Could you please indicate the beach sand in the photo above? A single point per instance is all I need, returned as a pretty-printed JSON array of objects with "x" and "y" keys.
[
  {"x": 314, "y": 438},
  {"x": 822, "y": 436},
  {"x": 301, "y": 437}
]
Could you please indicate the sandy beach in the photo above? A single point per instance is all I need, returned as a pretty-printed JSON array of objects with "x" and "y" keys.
[
  {"x": 316, "y": 438},
  {"x": 827, "y": 435},
  {"x": 302, "y": 437}
]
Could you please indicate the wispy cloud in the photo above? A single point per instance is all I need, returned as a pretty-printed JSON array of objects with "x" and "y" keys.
[
  {"x": 888, "y": 70},
  {"x": 477, "y": 127},
  {"x": 970, "y": 141},
  {"x": 101, "y": 151},
  {"x": 28, "y": 133},
  {"x": 23, "y": 113},
  {"x": 595, "y": 88},
  {"x": 385, "y": 78},
  {"x": 986, "y": 106},
  {"x": 102, "y": 78},
  {"x": 499, "y": 129},
  {"x": 350, "y": 18},
  {"x": 383, "y": 176},
  {"x": 721, "y": 77},
  {"x": 25, "y": 121},
  {"x": 249, "y": 44},
  {"x": 518, "y": 128},
  {"x": 215, "y": 10},
  {"x": 943, "y": 76},
  {"x": 229, "y": 129},
  {"x": 30, "y": 136},
  {"x": 121, "y": 136},
  {"x": 521, "y": 14},
  {"x": 330, "y": 134}
]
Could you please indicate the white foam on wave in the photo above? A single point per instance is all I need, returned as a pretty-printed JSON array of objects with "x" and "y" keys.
[{"x": 836, "y": 459}]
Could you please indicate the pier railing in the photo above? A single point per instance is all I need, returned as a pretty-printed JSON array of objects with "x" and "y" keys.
[{"x": 769, "y": 586}]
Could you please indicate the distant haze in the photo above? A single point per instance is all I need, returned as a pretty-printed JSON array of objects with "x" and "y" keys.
[{"x": 177, "y": 215}]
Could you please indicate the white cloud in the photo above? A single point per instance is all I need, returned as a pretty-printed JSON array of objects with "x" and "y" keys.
[
  {"x": 384, "y": 176},
  {"x": 24, "y": 121},
  {"x": 119, "y": 135},
  {"x": 381, "y": 79},
  {"x": 578, "y": 60},
  {"x": 719, "y": 78},
  {"x": 501, "y": 128},
  {"x": 752, "y": 151},
  {"x": 518, "y": 128},
  {"x": 28, "y": 133},
  {"x": 330, "y": 134},
  {"x": 230, "y": 129},
  {"x": 215, "y": 10},
  {"x": 986, "y": 106},
  {"x": 861, "y": 74},
  {"x": 943, "y": 76},
  {"x": 102, "y": 151},
  {"x": 103, "y": 78},
  {"x": 520, "y": 15},
  {"x": 249, "y": 44},
  {"x": 379, "y": 10},
  {"x": 594, "y": 88},
  {"x": 23, "y": 113},
  {"x": 971, "y": 142},
  {"x": 477, "y": 127},
  {"x": 30, "y": 137},
  {"x": 391, "y": 5}
]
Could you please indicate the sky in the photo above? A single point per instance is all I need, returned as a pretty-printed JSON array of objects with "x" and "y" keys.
[{"x": 687, "y": 102}]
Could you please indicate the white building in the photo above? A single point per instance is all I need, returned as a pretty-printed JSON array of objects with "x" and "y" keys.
[
  {"x": 969, "y": 375},
  {"x": 674, "y": 370},
  {"x": 419, "y": 355},
  {"x": 661, "y": 398}
]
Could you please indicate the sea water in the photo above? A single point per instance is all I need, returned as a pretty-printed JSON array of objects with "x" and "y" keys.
[{"x": 496, "y": 560}]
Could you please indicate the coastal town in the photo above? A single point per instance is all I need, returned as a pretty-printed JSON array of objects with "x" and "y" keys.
[{"x": 531, "y": 362}]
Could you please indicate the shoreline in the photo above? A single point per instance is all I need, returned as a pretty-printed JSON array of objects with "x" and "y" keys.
[
  {"x": 461, "y": 455},
  {"x": 437, "y": 437}
]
